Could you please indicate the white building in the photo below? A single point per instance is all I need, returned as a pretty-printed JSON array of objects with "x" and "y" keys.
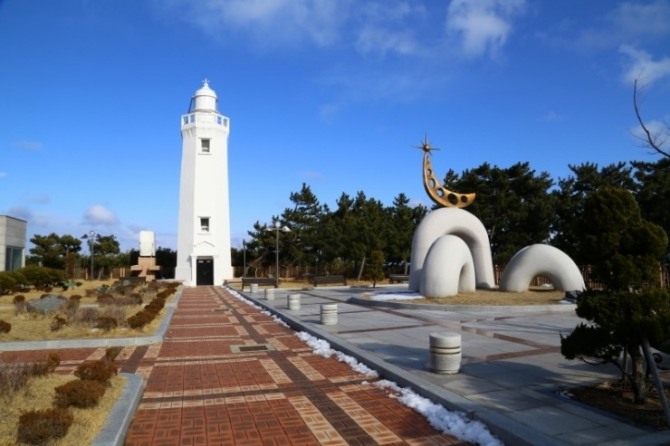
[
  {"x": 12, "y": 243},
  {"x": 203, "y": 237}
]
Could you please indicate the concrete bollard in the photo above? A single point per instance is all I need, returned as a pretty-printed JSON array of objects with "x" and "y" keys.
[
  {"x": 269, "y": 294},
  {"x": 294, "y": 301},
  {"x": 445, "y": 352},
  {"x": 329, "y": 314},
  {"x": 253, "y": 287}
]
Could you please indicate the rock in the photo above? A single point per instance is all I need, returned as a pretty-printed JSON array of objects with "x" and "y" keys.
[{"x": 46, "y": 305}]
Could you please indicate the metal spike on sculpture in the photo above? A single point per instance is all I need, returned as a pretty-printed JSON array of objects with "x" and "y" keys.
[{"x": 439, "y": 194}]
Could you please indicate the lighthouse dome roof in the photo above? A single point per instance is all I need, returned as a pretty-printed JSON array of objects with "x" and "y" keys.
[{"x": 205, "y": 98}]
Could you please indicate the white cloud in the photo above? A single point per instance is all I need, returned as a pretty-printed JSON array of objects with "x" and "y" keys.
[
  {"x": 641, "y": 19},
  {"x": 389, "y": 27},
  {"x": 99, "y": 215},
  {"x": 551, "y": 116},
  {"x": 643, "y": 67},
  {"x": 482, "y": 26},
  {"x": 269, "y": 22},
  {"x": 27, "y": 145}
]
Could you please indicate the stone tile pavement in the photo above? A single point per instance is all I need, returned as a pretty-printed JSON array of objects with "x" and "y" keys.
[{"x": 228, "y": 374}]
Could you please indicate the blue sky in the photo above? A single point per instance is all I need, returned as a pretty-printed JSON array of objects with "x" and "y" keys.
[{"x": 332, "y": 93}]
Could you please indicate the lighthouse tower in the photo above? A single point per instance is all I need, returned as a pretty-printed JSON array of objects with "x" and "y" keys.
[{"x": 203, "y": 237}]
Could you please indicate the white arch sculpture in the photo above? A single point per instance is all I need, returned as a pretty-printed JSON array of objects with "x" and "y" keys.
[
  {"x": 544, "y": 260},
  {"x": 462, "y": 224},
  {"x": 448, "y": 269}
]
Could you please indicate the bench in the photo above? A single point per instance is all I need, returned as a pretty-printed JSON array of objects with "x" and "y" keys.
[
  {"x": 398, "y": 278},
  {"x": 321, "y": 280},
  {"x": 259, "y": 281}
]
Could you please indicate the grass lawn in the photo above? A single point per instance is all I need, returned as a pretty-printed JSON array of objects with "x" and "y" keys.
[{"x": 39, "y": 394}]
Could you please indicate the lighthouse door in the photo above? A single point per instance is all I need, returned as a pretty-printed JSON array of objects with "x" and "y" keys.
[{"x": 205, "y": 271}]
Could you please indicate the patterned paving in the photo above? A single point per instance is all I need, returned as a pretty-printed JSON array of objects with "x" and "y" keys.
[{"x": 226, "y": 374}]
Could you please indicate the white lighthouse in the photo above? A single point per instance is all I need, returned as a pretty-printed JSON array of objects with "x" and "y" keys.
[{"x": 203, "y": 238}]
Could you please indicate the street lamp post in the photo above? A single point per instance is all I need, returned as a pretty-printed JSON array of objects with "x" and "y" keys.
[
  {"x": 278, "y": 227},
  {"x": 244, "y": 257},
  {"x": 91, "y": 237}
]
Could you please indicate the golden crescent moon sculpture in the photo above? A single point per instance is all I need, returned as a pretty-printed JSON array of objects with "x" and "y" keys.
[{"x": 439, "y": 194}]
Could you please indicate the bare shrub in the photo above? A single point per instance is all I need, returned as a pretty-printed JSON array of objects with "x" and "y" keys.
[
  {"x": 106, "y": 323},
  {"x": 116, "y": 313},
  {"x": 111, "y": 353},
  {"x": 5, "y": 326},
  {"x": 19, "y": 302},
  {"x": 106, "y": 299},
  {"x": 101, "y": 371},
  {"x": 78, "y": 393},
  {"x": 13, "y": 377},
  {"x": 58, "y": 322},
  {"x": 45, "y": 366},
  {"x": 40, "y": 426},
  {"x": 72, "y": 305},
  {"x": 87, "y": 315}
]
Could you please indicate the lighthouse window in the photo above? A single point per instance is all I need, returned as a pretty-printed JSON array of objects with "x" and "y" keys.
[
  {"x": 204, "y": 145},
  {"x": 219, "y": 120},
  {"x": 204, "y": 224}
]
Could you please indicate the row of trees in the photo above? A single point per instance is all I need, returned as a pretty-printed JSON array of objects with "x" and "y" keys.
[
  {"x": 518, "y": 207},
  {"x": 65, "y": 252}
]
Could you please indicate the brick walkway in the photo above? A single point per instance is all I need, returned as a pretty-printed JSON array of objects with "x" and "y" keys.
[{"x": 226, "y": 374}]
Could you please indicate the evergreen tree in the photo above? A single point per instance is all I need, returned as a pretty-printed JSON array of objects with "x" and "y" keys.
[
  {"x": 303, "y": 243},
  {"x": 374, "y": 268},
  {"x": 624, "y": 251},
  {"x": 514, "y": 204},
  {"x": 571, "y": 196},
  {"x": 653, "y": 192},
  {"x": 404, "y": 220}
]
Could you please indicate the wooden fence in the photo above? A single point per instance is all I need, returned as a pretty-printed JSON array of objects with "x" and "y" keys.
[{"x": 297, "y": 272}]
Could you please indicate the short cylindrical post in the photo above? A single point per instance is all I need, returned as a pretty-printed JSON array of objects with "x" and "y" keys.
[
  {"x": 269, "y": 294},
  {"x": 329, "y": 314},
  {"x": 294, "y": 301},
  {"x": 253, "y": 287},
  {"x": 445, "y": 352}
]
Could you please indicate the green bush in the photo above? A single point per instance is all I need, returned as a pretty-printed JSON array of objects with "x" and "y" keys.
[
  {"x": 40, "y": 426},
  {"x": 5, "y": 326},
  {"x": 81, "y": 394},
  {"x": 42, "y": 278},
  {"x": 7, "y": 282},
  {"x": 101, "y": 371}
]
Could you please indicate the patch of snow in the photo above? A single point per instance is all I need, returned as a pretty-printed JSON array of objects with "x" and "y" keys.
[
  {"x": 238, "y": 296},
  {"x": 398, "y": 295},
  {"x": 443, "y": 420},
  {"x": 322, "y": 348}
]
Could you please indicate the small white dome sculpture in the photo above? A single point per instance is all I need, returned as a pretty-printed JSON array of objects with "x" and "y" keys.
[
  {"x": 448, "y": 269},
  {"x": 541, "y": 260}
]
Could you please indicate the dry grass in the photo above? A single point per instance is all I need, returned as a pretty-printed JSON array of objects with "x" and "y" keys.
[
  {"x": 80, "y": 290},
  {"x": 34, "y": 327},
  {"x": 39, "y": 394},
  {"x": 535, "y": 296}
]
